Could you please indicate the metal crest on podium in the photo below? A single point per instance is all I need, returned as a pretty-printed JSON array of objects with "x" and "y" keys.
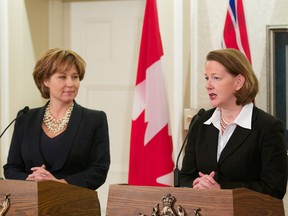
[{"x": 168, "y": 208}]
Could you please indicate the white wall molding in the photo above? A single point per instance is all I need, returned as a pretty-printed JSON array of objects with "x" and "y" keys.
[{"x": 4, "y": 78}]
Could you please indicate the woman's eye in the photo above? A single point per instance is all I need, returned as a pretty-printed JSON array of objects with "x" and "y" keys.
[{"x": 62, "y": 77}]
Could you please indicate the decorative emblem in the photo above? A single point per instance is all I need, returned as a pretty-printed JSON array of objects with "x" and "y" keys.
[
  {"x": 197, "y": 212},
  {"x": 5, "y": 205},
  {"x": 168, "y": 208}
]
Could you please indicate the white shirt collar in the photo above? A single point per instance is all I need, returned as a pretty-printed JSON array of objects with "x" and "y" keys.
[
  {"x": 244, "y": 119},
  {"x": 214, "y": 119}
]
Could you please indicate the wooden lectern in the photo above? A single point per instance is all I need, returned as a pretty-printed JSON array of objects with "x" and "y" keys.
[
  {"x": 140, "y": 200},
  {"x": 48, "y": 198}
]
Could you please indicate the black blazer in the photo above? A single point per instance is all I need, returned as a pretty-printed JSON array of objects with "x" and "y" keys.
[
  {"x": 255, "y": 159},
  {"x": 85, "y": 154}
]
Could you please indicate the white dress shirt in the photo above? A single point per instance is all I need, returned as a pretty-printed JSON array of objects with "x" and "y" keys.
[{"x": 244, "y": 120}]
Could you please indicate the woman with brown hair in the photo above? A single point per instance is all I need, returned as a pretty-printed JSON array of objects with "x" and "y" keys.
[
  {"x": 235, "y": 144},
  {"x": 61, "y": 141}
]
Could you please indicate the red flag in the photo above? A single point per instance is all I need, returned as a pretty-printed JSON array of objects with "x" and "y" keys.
[
  {"x": 151, "y": 146},
  {"x": 235, "y": 33}
]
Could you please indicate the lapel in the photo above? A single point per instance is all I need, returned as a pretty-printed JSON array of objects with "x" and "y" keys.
[
  {"x": 238, "y": 137},
  {"x": 34, "y": 137},
  {"x": 212, "y": 141},
  {"x": 208, "y": 141},
  {"x": 234, "y": 142},
  {"x": 69, "y": 138}
]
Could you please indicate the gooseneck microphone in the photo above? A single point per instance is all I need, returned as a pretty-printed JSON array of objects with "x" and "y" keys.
[
  {"x": 176, "y": 170},
  {"x": 20, "y": 113}
]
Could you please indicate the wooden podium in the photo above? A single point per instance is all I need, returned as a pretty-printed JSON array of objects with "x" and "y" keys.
[
  {"x": 140, "y": 200},
  {"x": 48, "y": 198}
]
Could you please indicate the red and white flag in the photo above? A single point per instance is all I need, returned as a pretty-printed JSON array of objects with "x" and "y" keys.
[
  {"x": 151, "y": 146},
  {"x": 235, "y": 33}
]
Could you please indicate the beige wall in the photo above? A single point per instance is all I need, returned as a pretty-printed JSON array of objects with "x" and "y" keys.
[
  {"x": 259, "y": 14},
  {"x": 28, "y": 38},
  {"x": 29, "y": 35}
]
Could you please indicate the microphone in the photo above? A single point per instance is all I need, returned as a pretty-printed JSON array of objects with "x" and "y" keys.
[
  {"x": 20, "y": 113},
  {"x": 176, "y": 170}
]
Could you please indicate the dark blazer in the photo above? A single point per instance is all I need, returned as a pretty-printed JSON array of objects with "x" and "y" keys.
[
  {"x": 255, "y": 159},
  {"x": 85, "y": 154}
]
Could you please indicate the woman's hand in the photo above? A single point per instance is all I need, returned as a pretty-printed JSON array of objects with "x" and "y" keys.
[
  {"x": 206, "y": 181},
  {"x": 41, "y": 174}
]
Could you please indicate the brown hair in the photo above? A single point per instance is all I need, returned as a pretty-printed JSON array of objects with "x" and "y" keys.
[
  {"x": 51, "y": 61},
  {"x": 236, "y": 63}
]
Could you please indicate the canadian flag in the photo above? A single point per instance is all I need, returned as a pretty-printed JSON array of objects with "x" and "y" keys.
[{"x": 151, "y": 146}]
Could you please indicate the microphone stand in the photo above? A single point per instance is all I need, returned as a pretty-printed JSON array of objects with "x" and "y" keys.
[
  {"x": 23, "y": 111},
  {"x": 176, "y": 170}
]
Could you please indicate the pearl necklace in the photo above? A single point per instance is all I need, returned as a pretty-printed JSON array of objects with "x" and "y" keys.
[
  {"x": 223, "y": 123},
  {"x": 56, "y": 125}
]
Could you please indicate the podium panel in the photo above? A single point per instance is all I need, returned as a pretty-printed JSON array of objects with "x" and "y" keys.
[
  {"x": 140, "y": 200},
  {"x": 48, "y": 198}
]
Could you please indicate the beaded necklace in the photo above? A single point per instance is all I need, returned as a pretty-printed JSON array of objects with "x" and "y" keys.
[
  {"x": 56, "y": 125},
  {"x": 223, "y": 123}
]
